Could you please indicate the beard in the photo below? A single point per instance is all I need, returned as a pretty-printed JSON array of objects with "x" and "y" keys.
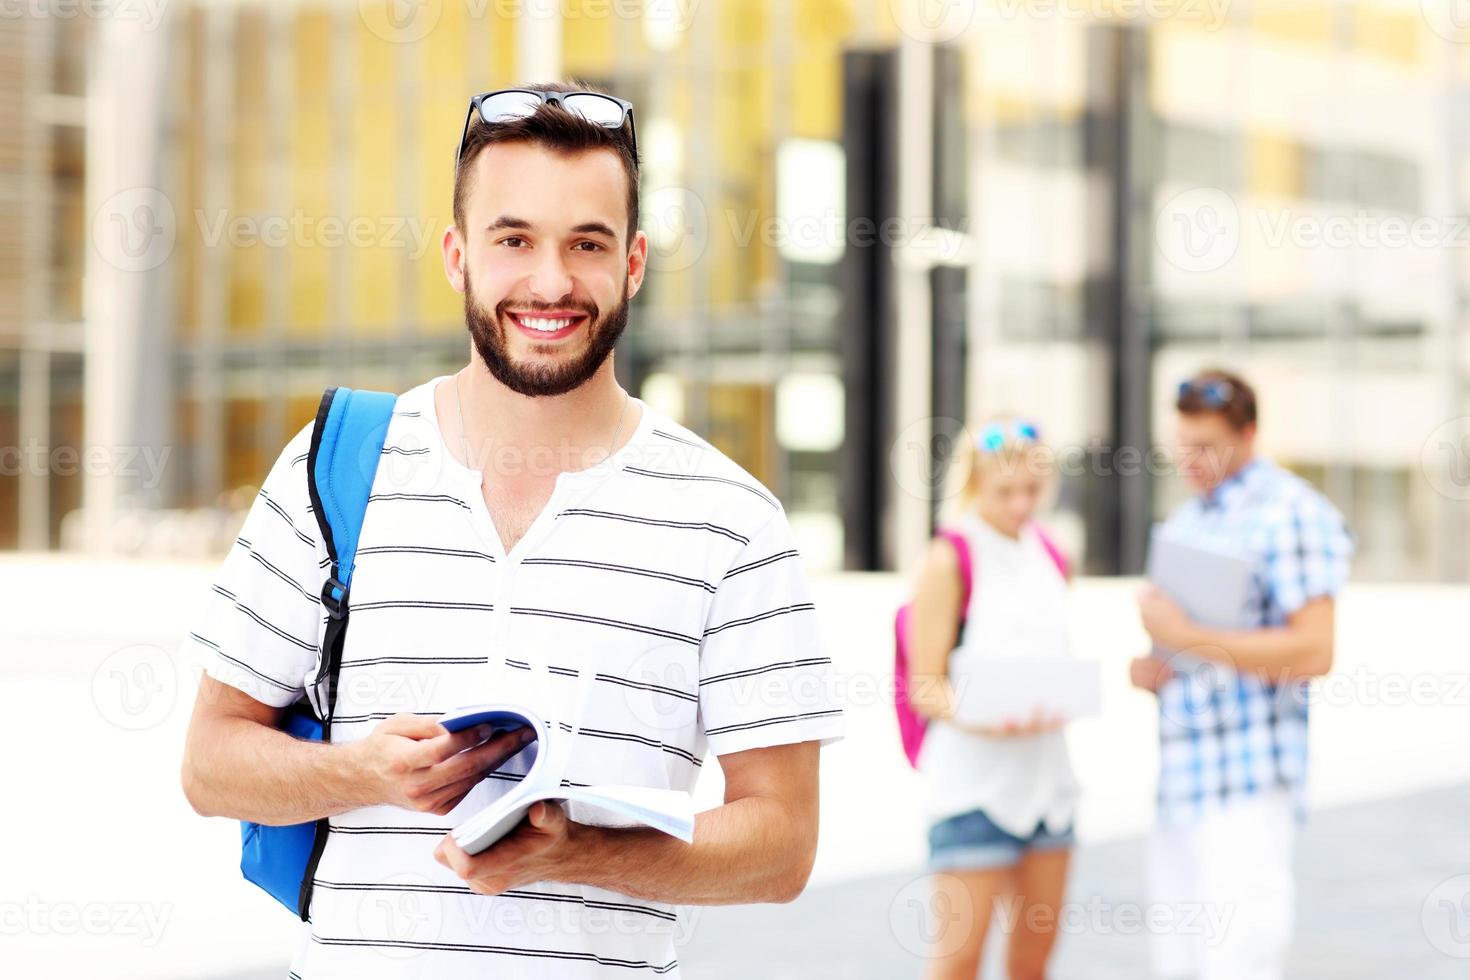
[{"x": 488, "y": 331}]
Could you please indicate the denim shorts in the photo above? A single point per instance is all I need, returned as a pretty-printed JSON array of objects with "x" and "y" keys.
[{"x": 972, "y": 842}]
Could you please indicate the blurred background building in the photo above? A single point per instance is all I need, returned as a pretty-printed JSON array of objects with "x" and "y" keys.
[{"x": 870, "y": 221}]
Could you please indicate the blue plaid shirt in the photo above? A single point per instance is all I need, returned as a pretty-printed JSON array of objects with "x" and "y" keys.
[{"x": 1224, "y": 735}]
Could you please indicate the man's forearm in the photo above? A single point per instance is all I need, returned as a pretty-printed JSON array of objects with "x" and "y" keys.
[
  {"x": 749, "y": 850},
  {"x": 1278, "y": 653},
  {"x": 248, "y": 771}
]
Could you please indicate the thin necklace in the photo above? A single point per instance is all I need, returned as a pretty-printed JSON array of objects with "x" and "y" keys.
[{"x": 464, "y": 446}]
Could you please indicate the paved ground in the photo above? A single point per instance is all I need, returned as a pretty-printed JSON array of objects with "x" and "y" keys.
[{"x": 1374, "y": 905}]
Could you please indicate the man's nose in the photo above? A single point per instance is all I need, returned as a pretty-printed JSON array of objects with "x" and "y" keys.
[{"x": 550, "y": 280}]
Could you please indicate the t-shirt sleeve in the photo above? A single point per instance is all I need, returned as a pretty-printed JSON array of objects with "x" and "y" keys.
[
  {"x": 1309, "y": 553},
  {"x": 258, "y": 626},
  {"x": 763, "y": 677}
]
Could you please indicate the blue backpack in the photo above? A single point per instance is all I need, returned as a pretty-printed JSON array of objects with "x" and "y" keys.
[{"x": 346, "y": 443}]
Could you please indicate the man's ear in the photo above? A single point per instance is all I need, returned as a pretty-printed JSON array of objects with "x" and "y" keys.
[
  {"x": 637, "y": 262},
  {"x": 452, "y": 245}
]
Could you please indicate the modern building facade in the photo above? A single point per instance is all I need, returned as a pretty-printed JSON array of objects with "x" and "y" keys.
[{"x": 238, "y": 204}]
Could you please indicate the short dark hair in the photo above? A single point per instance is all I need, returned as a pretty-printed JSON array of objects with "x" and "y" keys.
[
  {"x": 556, "y": 129},
  {"x": 1238, "y": 407}
]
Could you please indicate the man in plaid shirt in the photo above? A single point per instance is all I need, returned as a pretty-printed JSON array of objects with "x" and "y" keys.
[{"x": 1233, "y": 703}]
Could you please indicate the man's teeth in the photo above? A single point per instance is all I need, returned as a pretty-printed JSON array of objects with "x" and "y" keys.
[{"x": 543, "y": 323}]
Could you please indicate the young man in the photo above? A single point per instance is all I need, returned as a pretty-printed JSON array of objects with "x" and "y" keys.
[
  {"x": 1232, "y": 703},
  {"x": 530, "y": 521}
]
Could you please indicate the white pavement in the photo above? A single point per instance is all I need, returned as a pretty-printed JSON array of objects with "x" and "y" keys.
[{"x": 108, "y": 874}]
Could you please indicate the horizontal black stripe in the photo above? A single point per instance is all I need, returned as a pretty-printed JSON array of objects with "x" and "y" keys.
[
  {"x": 516, "y": 893},
  {"x": 656, "y": 522},
  {"x": 433, "y": 659},
  {"x": 284, "y": 577},
  {"x": 674, "y": 438},
  {"x": 603, "y": 621},
  {"x": 645, "y": 686},
  {"x": 652, "y": 743},
  {"x": 625, "y": 569},
  {"x": 272, "y": 627},
  {"x": 609, "y": 679},
  {"x": 420, "y": 604},
  {"x": 278, "y": 509},
  {"x": 392, "y": 831},
  {"x": 780, "y": 720},
  {"x": 408, "y": 415},
  {"x": 503, "y": 950},
  {"x": 301, "y": 459},
  {"x": 242, "y": 664},
  {"x": 758, "y": 617},
  {"x": 784, "y": 665},
  {"x": 662, "y": 475},
  {"x": 434, "y": 498},
  {"x": 417, "y": 549},
  {"x": 403, "y": 451},
  {"x": 761, "y": 562}
]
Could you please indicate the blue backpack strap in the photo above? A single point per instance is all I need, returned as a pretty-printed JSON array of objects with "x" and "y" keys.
[{"x": 346, "y": 444}]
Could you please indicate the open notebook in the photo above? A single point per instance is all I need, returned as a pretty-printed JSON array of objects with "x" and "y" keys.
[{"x": 670, "y": 811}]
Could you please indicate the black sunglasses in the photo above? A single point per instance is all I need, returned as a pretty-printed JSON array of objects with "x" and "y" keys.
[{"x": 507, "y": 104}]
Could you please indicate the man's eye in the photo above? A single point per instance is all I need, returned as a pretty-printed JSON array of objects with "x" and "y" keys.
[
  {"x": 512, "y": 239},
  {"x": 592, "y": 246}
]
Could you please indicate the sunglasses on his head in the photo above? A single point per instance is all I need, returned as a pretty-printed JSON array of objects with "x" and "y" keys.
[
  {"x": 1212, "y": 394},
  {"x": 510, "y": 104}
]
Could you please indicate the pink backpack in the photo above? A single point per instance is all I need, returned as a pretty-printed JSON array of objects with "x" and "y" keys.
[{"x": 912, "y": 726}]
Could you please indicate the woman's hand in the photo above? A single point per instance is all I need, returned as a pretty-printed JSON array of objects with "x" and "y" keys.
[{"x": 1040, "y": 723}]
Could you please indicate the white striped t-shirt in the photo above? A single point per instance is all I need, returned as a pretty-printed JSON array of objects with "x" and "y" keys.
[{"x": 667, "y": 570}]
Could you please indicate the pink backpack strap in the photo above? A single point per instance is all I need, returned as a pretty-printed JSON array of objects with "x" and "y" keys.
[
  {"x": 967, "y": 569},
  {"x": 1060, "y": 559}
]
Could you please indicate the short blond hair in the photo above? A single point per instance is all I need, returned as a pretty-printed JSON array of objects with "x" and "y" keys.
[{"x": 969, "y": 462}]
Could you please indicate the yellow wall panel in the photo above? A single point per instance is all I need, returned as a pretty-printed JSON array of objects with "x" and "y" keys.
[
  {"x": 1303, "y": 21},
  {"x": 1389, "y": 33},
  {"x": 1275, "y": 164},
  {"x": 310, "y": 168},
  {"x": 378, "y": 242},
  {"x": 587, "y": 33}
]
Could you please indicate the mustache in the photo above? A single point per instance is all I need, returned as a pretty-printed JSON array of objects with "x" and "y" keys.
[{"x": 530, "y": 306}]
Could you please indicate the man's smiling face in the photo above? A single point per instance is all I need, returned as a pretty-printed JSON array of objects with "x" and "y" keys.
[{"x": 544, "y": 263}]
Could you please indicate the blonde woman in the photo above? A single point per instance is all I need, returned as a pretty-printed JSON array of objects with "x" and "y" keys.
[{"x": 1001, "y": 800}]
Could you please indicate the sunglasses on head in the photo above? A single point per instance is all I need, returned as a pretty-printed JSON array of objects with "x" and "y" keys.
[
  {"x": 506, "y": 105},
  {"x": 1213, "y": 394},
  {"x": 993, "y": 435}
]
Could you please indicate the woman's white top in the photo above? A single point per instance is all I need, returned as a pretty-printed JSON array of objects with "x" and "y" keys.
[{"x": 1018, "y": 608}]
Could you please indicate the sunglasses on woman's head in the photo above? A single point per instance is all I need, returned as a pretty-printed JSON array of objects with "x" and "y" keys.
[
  {"x": 510, "y": 104},
  {"x": 992, "y": 436}
]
